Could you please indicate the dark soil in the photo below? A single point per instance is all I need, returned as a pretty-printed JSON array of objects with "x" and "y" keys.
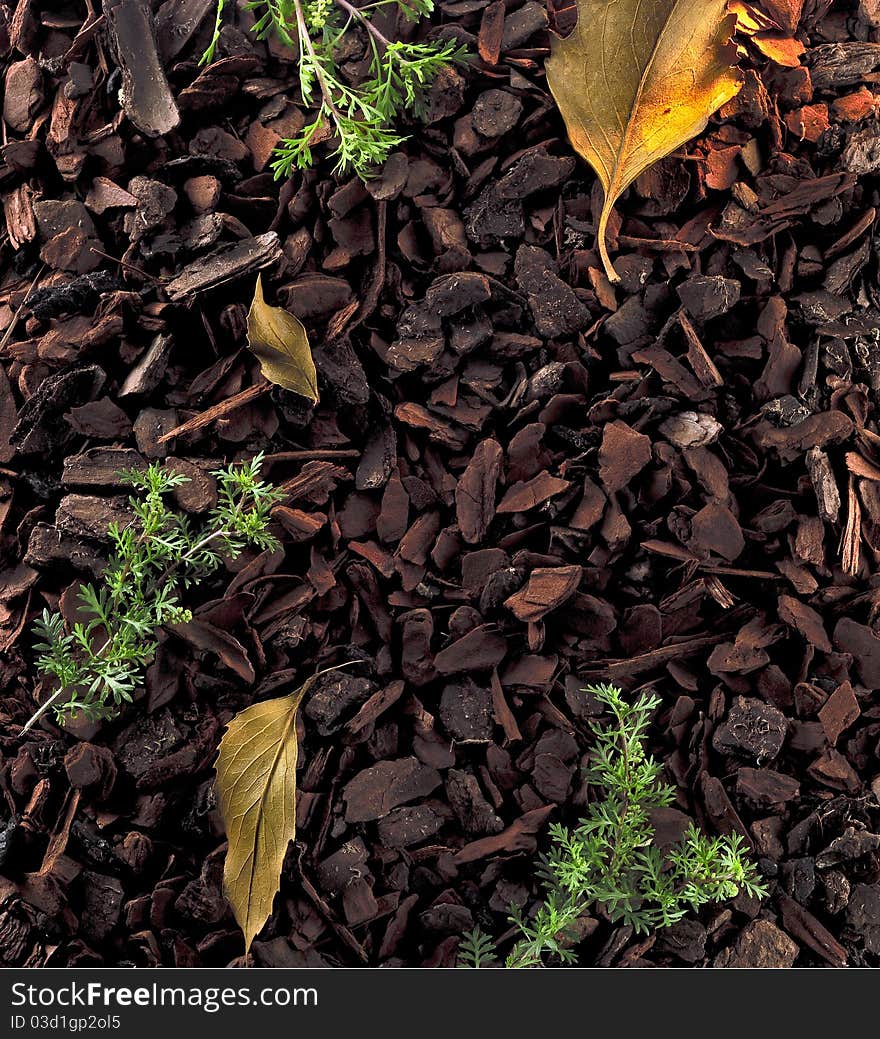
[{"x": 519, "y": 479}]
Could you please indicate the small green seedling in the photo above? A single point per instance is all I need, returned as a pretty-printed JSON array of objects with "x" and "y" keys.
[
  {"x": 609, "y": 858},
  {"x": 98, "y": 662},
  {"x": 359, "y": 117}
]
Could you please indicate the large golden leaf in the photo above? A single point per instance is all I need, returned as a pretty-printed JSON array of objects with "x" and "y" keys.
[
  {"x": 282, "y": 346},
  {"x": 256, "y": 788},
  {"x": 638, "y": 79}
]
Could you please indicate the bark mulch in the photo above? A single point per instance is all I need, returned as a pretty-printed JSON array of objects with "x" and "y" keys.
[{"x": 520, "y": 479}]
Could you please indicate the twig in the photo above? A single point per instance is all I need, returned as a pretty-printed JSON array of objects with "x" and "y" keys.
[
  {"x": 127, "y": 265},
  {"x": 40, "y": 711},
  {"x": 7, "y": 335},
  {"x": 306, "y": 42},
  {"x": 362, "y": 18},
  {"x": 238, "y": 400}
]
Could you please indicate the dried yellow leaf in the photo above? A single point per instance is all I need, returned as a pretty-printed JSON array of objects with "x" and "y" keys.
[
  {"x": 256, "y": 788},
  {"x": 282, "y": 346},
  {"x": 636, "y": 80}
]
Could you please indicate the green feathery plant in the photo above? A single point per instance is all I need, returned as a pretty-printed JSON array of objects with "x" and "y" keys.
[
  {"x": 98, "y": 662},
  {"x": 609, "y": 858},
  {"x": 361, "y": 117}
]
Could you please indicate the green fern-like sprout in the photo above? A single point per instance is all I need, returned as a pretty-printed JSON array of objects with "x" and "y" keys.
[
  {"x": 97, "y": 663},
  {"x": 360, "y": 118},
  {"x": 476, "y": 949},
  {"x": 609, "y": 859}
]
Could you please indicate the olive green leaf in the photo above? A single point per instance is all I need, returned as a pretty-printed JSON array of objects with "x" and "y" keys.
[
  {"x": 256, "y": 788},
  {"x": 282, "y": 347}
]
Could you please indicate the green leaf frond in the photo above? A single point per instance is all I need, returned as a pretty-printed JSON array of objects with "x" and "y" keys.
[
  {"x": 357, "y": 119},
  {"x": 609, "y": 857},
  {"x": 96, "y": 664}
]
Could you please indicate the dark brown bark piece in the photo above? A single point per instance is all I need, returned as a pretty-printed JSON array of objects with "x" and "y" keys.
[
  {"x": 475, "y": 492},
  {"x": 145, "y": 96},
  {"x": 476, "y": 815},
  {"x": 720, "y": 810},
  {"x": 37, "y": 429},
  {"x": 760, "y": 945},
  {"x": 864, "y": 645},
  {"x": 91, "y": 769},
  {"x": 519, "y": 836},
  {"x": 764, "y": 788},
  {"x": 466, "y": 712},
  {"x": 83, "y": 516},
  {"x": 334, "y": 697},
  {"x": 863, "y": 914},
  {"x": 841, "y": 64},
  {"x": 102, "y": 905},
  {"x": 8, "y": 418},
  {"x": 753, "y": 729},
  {"x": 839, "y": 712},
  {"x": 100, "y": 467},
  {"x": 375, "y": 791},
  {"x": 831, "y": 769},
  {"x": 479, "y": 650},
  {"x": 410, "y": 825},
  {"x": 709, "y": 297},
  {"x": 816, "y": 431},
  {"x": 802, "y": 925},
  {"x": 224, "y": 264},
  {"x": 555, "y": 307}
]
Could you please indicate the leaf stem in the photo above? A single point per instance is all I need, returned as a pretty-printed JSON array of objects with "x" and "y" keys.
[
  {"x": 355, "y": 12},
  {"x": 306, "y": 42}
]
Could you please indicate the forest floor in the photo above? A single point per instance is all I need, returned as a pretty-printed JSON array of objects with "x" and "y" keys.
[{"x": 520, "y": 479}]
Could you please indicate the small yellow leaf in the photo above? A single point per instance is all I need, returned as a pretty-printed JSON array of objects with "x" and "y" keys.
[
  {"x": 282, "y": 346},
  {"x": 636, "y": 80},
  {"x": 256, "y": 788}
]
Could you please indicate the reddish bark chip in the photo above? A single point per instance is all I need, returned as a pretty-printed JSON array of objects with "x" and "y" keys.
[
  {"x": 831, "y": 769},
  {"x": 23, "y": 93},
  {"x": 529, "y": 494},
  {"x": 809, "y": 122},
  {"x": 393, "y": 517},
  {"x": 623, "y": 455},
  {"x": 105, "y": 194},
  {"x": 546, "y": 589},
  {"x": 839, "y": 711},
  {"x": 801, "y": 924},
  {"x": 518, "y": 837},
  {"x": 806, "y": 620},
  {"x": 535, "y": 672},
  {"x": 491, "y": 32},
  {"x": 475, "y": 493},
  {"x": 853, "y": 107},
  {"x": 714, "y": 529},
  {"x": 203, "y": 193},
  {"x": 864, "y": 645}
]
